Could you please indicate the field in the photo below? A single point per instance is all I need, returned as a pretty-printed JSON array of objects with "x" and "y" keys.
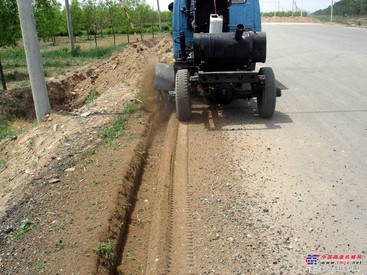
[
  {"x": 103, "y": 118},
  {"x": 349, "y": 21},
  {"x": 57, "y": 59}
]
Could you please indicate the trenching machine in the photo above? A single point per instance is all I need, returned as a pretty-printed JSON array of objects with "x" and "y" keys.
[{"x": 217, "y": 44}]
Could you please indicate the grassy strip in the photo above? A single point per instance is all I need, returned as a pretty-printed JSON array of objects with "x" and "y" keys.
[
  {"x": 10, "y": 127},
  {"x": 56, "y": 61},
  {"x": 117, "y": 127},
  {"x": 358, "y": 21},
  {"x": 6, "y": 131},
  {"x": 57, "y": 52}
]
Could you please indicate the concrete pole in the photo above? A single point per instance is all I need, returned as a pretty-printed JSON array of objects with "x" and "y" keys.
[
  {"x": 275, "y": 10},
  {"x": 159, "y": 17},
  {"x": 70, "y": 26},
  {"x": 262, "y": 8},
  {"x": 331, "y": 13},
  {"x": 302, "y": 9},
  {"x": 33, "y": 57}
]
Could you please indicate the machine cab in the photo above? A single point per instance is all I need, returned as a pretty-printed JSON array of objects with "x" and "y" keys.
[{"x": 193, "y": 16}]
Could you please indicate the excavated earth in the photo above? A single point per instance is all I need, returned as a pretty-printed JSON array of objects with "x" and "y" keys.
[
  {"x": 162, "y": 198},
  {"x": 64, "y": 190}
]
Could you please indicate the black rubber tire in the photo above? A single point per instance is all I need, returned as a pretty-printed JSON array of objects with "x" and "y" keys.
[
  {"x": 266, "y": 101},
  {"x": 183, "y": 99}
]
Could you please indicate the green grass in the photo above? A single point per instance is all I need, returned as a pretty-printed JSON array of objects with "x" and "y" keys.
[
  {"x": 358, "y": 21},
  {"x": 336, "y": 19},
  {"x": 114, "y": 130},
  {"x": 130, "y": 109},
  {"x": 6, "y": 131},
  {"x": 117, "y": 127},
  {"x": 17, "y": 53},
  {"x": 59, "y": 245},
  {"x": 94, "y": 53},
  {"x": 56, "y": 61},
  {"x": 92, "y": 96},
  {"x": 2, "y": 164},
  {"x": 65, "y": 222},
  {"x": 107, "y": 249},
  {"x": 26, "y": 225},
  {"x": 13, "y": 53}
]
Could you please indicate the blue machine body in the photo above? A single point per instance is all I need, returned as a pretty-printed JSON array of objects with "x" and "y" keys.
[
  {"x": 247, "y": 14},
  {"x": 240, "y": 12}
]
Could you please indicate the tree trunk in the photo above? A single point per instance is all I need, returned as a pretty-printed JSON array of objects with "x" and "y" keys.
[
  {"x": 114, "y": 36},
  {"x": 141, "y": 32},
  {"x": 2, "y": 77},
  {"x": 153, "y": 31},
  {"x": 127, "y": 31},
  {"x": 95, "y": 38}
]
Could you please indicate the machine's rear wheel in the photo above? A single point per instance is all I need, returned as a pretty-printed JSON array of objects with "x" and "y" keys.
[
  {"x": 183, "y": 100},
  {"x": 267, "y": 99}
]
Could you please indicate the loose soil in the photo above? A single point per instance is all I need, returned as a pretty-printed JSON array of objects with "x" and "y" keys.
[
  {"x": 70, "y": 189},
  {"x": 291, "y": 19}
]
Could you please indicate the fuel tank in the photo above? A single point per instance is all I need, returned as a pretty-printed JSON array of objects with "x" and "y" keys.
[{"x": 229, "y": 48}]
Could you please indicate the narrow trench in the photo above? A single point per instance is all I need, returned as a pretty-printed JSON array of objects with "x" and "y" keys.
[{"x": 135, "y": 238}]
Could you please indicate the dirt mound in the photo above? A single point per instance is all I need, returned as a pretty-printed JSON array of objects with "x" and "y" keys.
[
  {"x": 291, "y": 19},
  {"x": 69, "y": 92},
  {"x": 61, "y": 176}
]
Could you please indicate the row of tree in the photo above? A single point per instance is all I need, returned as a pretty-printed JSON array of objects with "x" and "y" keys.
[
  {"x": 285, "y": 13},
  {"x": 88, "y": 16},
  {"x": 346, "y": 8}
]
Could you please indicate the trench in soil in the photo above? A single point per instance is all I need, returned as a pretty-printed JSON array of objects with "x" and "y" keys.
[{"x": 144, "y": 237}]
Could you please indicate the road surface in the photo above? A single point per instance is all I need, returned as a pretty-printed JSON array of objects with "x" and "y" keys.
[{"x": 256, "y": 196}]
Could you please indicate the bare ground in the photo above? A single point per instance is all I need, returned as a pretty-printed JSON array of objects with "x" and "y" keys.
[
  {"x": 64, "y": 190},
  {"x": 169, "y": 198},
  {"x": 291, "y": 19}
]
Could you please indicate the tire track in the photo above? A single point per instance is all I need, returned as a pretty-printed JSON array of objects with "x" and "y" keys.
[
  {"x": 166, "y": 245},
  {"x": 180, "y": 257},
  {"x": 157, "y": 260}
]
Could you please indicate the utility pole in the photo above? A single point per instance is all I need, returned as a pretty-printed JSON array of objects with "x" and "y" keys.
[
  {"x": 159, "y": 17},
  {"x": 275, "y": 10},
  {"x": 33, "y": 57},
  {"x": 278, "y": 5},
  {"x": 70, "y": 26},
  {"x": 331, "y": 13},
  {"x": 302, "y": 9},
  {"x": 263, "y": 8}
]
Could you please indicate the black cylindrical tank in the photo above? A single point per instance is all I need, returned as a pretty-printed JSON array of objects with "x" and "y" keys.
[{"x": 224, "y": 49}]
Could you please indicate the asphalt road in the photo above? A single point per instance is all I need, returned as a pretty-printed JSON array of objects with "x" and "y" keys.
[
  {"x": 325, "y": 69},
  {"x": 265, "y": 193},
  {"x": 325, "y": 136}
]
